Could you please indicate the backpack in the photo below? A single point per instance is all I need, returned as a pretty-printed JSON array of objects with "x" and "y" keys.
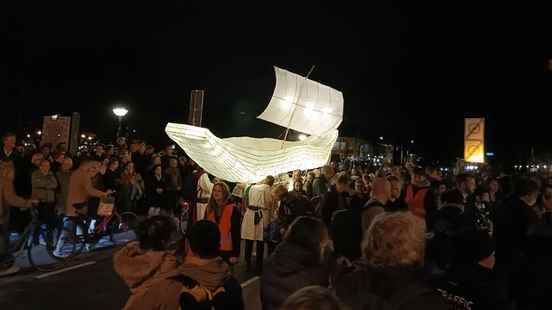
[{"x": 195, "y": 296}]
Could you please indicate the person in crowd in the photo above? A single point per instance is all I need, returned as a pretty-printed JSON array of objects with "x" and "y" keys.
[
  {"x": 495, "y": 193},
  {"x": 313, "y": 298},
  {"x": 484, "y": 215},
  {"x": 337, "y": 199},
  {"x": 99, "y": 180},
  {"x": 20, "y": 149},
  {"x": 99, "y": 152},
  {"x": 204, "y": 269},
  {"x": 124, "y": 158},
  {"x": 157, "y": 282},
  {"x": 155, "y": 192},
  {"x": 308, "y": 186},
  {"x": 9, "y": 141},
  {"x": 8, "y": 199},
  {"x": 367, "y": 182},
  {"x": 396, "y": 200},
  {"x": 360, "y": 191},
  {"x": 438, "y": 192},
  {"x": 174, "y": 185},
  {"x": 471, "y": 283},
  {"x": 390, "y": 271},
  {"x": 290, "y": 205},
  {"x": 295, "y": 176},
  {"x": 81, "y": 188},
  {"x": 434, "y": 176},
  {"x": 463, "y": 193},
  {"x": 397, "y": 173},
  {"x": 63, "y": 176},
  {"x": 149, "y": 151},
  {"x": 146, "y": 265},
  {"x": 348, "y": 224},
  {"x": 155, "y": 161},
  {"x": 298, "y": 188},
  {"x": 419, "y": 197},
  {"x": 112, "y": 175},
  {"x": 44, "y": 190},
  {"x": 168, "y": 154},
  {"x": 284, "y": 215},
  {"x": 140, "y": 159},
  {"x": 204, "y": 188},
  {"x": 131, "y": 189},
  {"x": 36, "y": 159},
  {"x": 109, "y": 151},
  {"x": 512, "y": 247},
  {"x": 302, "y": 259},
  {"x": 46, "y": 152},
  {"x": 543, "y": 213},
  {"x": 381, "y": 193},
  {"x": 320, "y": 184},
  {"x": 226, "y": 215},
  {"x": 540, "y": 253},
  {"x": 258, "y": 215}
]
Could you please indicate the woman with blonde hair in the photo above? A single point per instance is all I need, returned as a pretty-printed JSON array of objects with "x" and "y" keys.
[
  {"x": 223, "y": 212},
  {"x": 390, "y": 271}
]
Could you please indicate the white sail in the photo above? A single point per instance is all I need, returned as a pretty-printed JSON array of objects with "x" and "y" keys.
[
  {"x": 249, "y": 160},
  {"x": 303, "y": 105}
]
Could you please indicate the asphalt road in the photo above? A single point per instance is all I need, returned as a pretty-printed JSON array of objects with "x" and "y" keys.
[{"x": 92, "y": 285}]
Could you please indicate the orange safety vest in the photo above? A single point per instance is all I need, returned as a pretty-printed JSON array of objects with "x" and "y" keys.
[
  {"x": 225, "y": 226},
  {"x": 416, "y": 202}
]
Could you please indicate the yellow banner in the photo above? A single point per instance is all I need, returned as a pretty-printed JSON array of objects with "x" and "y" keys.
[{"x": 474, "y": 140}]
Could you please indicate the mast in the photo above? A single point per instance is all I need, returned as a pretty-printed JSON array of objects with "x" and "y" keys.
[{"x": 295, "y": 107}]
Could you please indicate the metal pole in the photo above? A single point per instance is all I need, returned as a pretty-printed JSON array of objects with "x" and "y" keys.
[{"x": 120, "y": 125}]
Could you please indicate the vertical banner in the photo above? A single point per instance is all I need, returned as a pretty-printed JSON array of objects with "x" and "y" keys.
[
  {"x": 55, "y": 130},
  {"x": 474, "y": 140},
  {"x": 196, "y": 108}
]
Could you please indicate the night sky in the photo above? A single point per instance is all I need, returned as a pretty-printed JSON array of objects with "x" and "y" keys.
[{"x": 406, "y": 69}]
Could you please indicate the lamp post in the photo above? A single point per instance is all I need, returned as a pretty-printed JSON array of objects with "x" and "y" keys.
[{"x": 120, "y": 112}]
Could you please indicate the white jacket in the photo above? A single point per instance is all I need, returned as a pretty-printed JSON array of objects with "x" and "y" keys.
[{"x": 260, "y": 196}]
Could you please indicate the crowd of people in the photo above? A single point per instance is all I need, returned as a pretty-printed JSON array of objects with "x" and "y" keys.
[{"x": 338, "y": 237}]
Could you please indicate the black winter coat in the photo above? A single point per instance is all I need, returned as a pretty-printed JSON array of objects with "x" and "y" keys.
[
  {"x": 401, "y": 287},
  {"x": 472, "y": 287},
  {"x": 287, "y": 270},
  {"x": 154, "y": 198}
]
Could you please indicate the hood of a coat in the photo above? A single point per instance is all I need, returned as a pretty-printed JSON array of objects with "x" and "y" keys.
[
  {"x": 289, "y": 258},
  {"x": 210, "y": 273},
  {"x": 138, "y": 267}
]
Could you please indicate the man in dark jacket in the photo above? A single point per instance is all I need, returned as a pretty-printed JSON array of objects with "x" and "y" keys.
[
  {"x": 335, "y": 200},
  {"x": 471, "y": 283},
  {"x": 140, "y": 159},
  {"x": 463, "y": 195},
  {"x": 22, "y": 174},
  {"x": 512, "y": 224}
]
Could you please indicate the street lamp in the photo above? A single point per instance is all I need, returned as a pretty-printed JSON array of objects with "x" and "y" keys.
[
  {"x": 120, "y": 112},
  {"x": 39, "y": 132}
]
